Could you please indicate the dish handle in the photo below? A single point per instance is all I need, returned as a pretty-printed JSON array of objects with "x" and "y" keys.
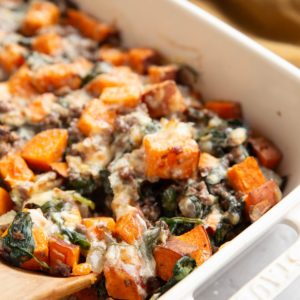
[{"x": 280, "y": 273}]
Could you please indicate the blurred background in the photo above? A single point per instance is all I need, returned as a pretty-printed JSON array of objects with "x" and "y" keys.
[{"x": 273, "y": 23}]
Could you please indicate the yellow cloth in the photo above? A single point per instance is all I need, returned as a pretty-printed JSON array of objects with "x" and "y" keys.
[{"x": 273, "y": 23}]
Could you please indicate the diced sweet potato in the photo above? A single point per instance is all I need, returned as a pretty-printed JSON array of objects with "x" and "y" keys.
[
  {"x": 225, "y": 109},
  {"x": 163, "y": 99},
  {"x": 61, "y": 254},
  {"x": 60, "y": 168},
  {"x": 48, "y": 43},
  {"x": 45, "y": 148},
  {"x": 114, "y": 56},
  {"x": 141, "y": 58},
  {"x": 96, "y": 118},
  {"x": 97, "y": 226},
  {"x": 130, "y": 227},
  {"x": 39, "y": 15},
  {"x": 159, "y": 74},
  {"x": 122, "y": 272},
  {"x": 13, "y": 168},
  {"x": 41, "y": 251},
  {"x": 51, "y": 78},
  {"x": 267, "y": 153},
  {"x": 171, "y": 154},
  {"x": 246, "y": 176},
  {"x": 194, "y": 243},
  {"x": 81, "y": 269},
  {"x": 20, "y": 83},
  {"x": 89, "y": 26},
  {"x": 123, "y": 96},
  {"x": 6, "y": 203},
  {"x": 12, "y": 56},
  {"x": 207, "y": 161},
  {"x": 40, "y": 107},
  {"x": 119, "y": 76},
  {"x": 261, "y": 199}
]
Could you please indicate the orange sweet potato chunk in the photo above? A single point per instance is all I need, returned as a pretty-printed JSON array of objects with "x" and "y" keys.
[
  {"x": 48, "y": 43},
  {"x": 96, "y": 226},
  {"x": 267, "y": 153},
  {"x": 41, "y": 250},
  {"x": 60, "y": 168},
  {"x": 207, "y": 161},
  {"x": 12, "y": 56},
  {"x": 130, "y": 227},
  {"x": 119, "y": 76},
  {"x": 246, "y": 176},
  {"x": 163, "y": 99},
  {"x": 45, "y": 148},
  {"x": 6, "y": 204},
  {"x": 13, "y": 168},
  {"x": 81, "y": 269},
  {"x": 89, "y": 26},
  {"x": 20, "y": 83},
  {"x": 114, "y": 56},
  {"x": 96, "y": 118},
  {"x": 194, "y": 243},
  {"x": 261, "y": 199},
  {"x": 39, "y": 15},
  {"x": 170, "y": 154},
  {"x": 141, "y": 58},
  {"x": 159, "y": 74},
  {"x": 123, "y": 96},
  {"x": 62, "y": 253},
  {"x": 225, "y": 109}
]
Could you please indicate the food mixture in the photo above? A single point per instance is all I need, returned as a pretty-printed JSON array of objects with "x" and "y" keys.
[{"x": 110, "y": 160}]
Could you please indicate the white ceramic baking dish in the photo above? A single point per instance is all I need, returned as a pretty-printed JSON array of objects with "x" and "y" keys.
[{"x": 232, "y": 67}]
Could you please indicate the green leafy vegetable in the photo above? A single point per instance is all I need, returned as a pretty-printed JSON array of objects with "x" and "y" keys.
[
  {"x": 104, "y": 174},
  {"x": 222, "y": 230},
  {"x": 83, "y": 186},
  {"x": 168, "y": 201},
  {"x": 179, "y": 225},
  {"x": 78, "y": 198},
  {"x": 76, "y": 238},
  {"x": 54, "y": 205}
]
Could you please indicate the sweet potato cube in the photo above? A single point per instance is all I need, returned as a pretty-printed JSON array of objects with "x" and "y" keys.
[
  {"x": 12, "y": 56},
  {"x": 61, "y": 254},
  {"x": 41, "y": 251},
  {"x": 225, "y": 109},
  {"x": 123, "y": 96},
  {"x": 81, "y": 269},
  {"x": 48, "y": 43},
  {"x": 60, "y": 168},
  {"x": 119, "y": 76},
  {"x": 267, "y": 153},
  {"x": 6, "y": 204},
  {"x": 96, "y": 118},
  {"x": 163, "y": 99},
  {"x": 207, "y": 161},
  {"x": 89, "y": 26},
  {"x": 194, "y": 243},
  {"x": 141, "y": 58},
  {"x": 170, "y": 153},
  {"x": 97, "y": 226},
  {"x": 13, "y": 168},
  {"x": 114, "y": 56},
  {"x": 246, "y": 176},
  {"x": 261, "y": 199},
  {"x": 130, "y": 227},
  {"x": 51, "y": 78},
  {"x": 159, "y": 74},
  {"x": 20, "y": 83},
  {"x": 45, "y": 148},
  {"x": 39, "y": 15},
  {"x": 122, "y": 272}
]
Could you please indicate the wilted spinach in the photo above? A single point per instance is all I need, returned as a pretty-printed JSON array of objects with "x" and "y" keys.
[
  {"x": 83, "y": 186},
  {"x": 104, "y": 174},
  {"x": 76, "y": 238},
  {"x": 169, "y": 202},
  {"x": 180, "y": 225}
]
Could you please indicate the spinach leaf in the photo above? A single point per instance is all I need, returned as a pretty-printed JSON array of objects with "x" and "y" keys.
[
  {"x": 183, "y": 267},
  {"x": 18, "y": 245},
  {"x": 78, "y": 198},
  {"x": 104, "y": 174},
  {"x": 83, "y": 186},
  {"x": 168, "y": 201},
  {"x": 222, "y": 230},
  {"x": 179, "y": 225},
  {"x": 76, "y": 238},
  {"x": 54, "y": 205}
]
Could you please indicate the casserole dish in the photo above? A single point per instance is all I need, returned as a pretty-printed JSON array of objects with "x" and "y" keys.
[{"x": 234, "y": 67}]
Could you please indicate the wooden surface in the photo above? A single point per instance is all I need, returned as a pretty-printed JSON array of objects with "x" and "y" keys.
[{"x": 17, "y": 284}]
